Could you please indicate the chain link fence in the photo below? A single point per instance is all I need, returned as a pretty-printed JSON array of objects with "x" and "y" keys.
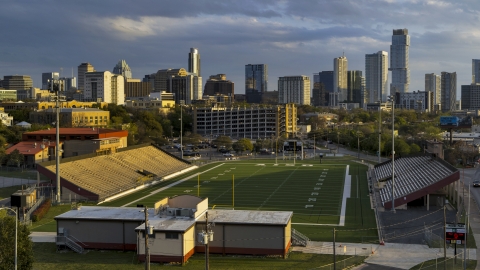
[
  {"x": 348, "y": 262},
  {"x": 451, "y": 263}
]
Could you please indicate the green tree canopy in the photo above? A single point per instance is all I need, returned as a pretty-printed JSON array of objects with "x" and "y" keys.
[
  {"x": 7, "y": 244},
  {"x": 223, "y": 141},
  {"x": 242, "y": 145}
]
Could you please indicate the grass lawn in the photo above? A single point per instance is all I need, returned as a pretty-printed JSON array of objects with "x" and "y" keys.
[
  {"x": 46, "y": 257},
  {"x": 7, "y": 191},
  {"x": 27, "y": 174}
]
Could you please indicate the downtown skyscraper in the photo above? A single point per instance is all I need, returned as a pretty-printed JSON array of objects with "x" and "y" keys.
[
  {"x": 194, "y": 62},
  {"x": 399, "y": 55},
  {"x": 376, "y": 76},
  {"x": 433, "y": 84},
  {"x": 256, "y": 82},
  {"x": 340, "y": 67}
]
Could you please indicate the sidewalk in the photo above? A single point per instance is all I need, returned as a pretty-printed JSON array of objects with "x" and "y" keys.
[
  {"x": 402, "y": 256},
  {"x": 43, "y": 237}
]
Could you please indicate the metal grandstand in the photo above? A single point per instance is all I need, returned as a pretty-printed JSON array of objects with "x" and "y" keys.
[
  {"x": 103, "y": 177},
  {"x": 415, "y": 177}
]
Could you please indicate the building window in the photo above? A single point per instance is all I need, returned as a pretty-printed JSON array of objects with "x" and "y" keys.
[{"x": 171, "y": 235}]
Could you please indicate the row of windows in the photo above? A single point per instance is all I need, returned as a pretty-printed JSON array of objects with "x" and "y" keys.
[
  {"x": 234, "y": 113},
  {"x": 168, "y": 235}
]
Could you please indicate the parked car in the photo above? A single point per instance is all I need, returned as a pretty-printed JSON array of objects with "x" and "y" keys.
[
  {"x": 476, "y": 183},
  {"x": 223, "y": 150},
  {"x": 228, "y": 155}
]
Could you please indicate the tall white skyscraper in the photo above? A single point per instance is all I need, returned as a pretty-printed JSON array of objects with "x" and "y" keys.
[
  {"x": 399, "y": 55},
  {"x": 104, "y": 86},
  {"x": 294, "y": 89},
  {"x": 376, "y": 76},
  {"x": 475, "y": 71},
  {"x": 433, "y": 83},
  {"x": 194, "y": 62},
  {"x": 340, "y": 67}
]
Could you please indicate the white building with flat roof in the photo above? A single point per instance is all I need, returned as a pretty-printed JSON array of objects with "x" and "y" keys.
[
  {"x": 294, "y": 89},
  {"x": 103, "y": 86}
]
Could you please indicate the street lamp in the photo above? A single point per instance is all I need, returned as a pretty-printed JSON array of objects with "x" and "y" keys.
[
  {"x": 16, "y": 232},
  {"x": 392, "y": 99}
]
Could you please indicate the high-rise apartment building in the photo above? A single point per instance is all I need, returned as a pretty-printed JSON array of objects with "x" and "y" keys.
[
  {"x": 475, "y": 71},
  {"x": 104, "y": 87},
  {"x": 17, "y": 82},
  {"x": 82, "y": 69},
  {"x": 416, "y": 100},
  {"x": 376, "y": 76},
  {"x": 194, "y": 62},
  {"x": 433, "y": 83},
  {"x": 256, "y": 82},
  {"x": 46, "y": 77},
  {"x": 123, "y": 69},
  {"x": 399, "y": 55},
  {"x": 340, "y": 67},
  {"x": 162, "y": 76},
  {"x": 294, "y": 89},
  {"x": 449, "y": 91},
  {"x": 354, "y": 86},
  {"x": 219, "y": 85},
  {"x": 326, "y": 77},
  {"x": 470, "y": 97},
  {"x": 319, "y": 94},
  {"x": 185, "y": 87}
]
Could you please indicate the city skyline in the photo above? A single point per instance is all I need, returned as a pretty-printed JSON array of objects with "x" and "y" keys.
[{"x": 291, "y": 37}]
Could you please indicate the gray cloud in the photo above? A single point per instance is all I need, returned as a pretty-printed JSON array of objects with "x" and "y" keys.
[{"x": 291, "y": 36}]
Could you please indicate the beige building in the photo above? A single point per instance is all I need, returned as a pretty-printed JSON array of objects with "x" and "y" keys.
[
  {"x": 104, "y": 87},
  {"x": 10, "y": 106},
  {"x": 72, "y": 117},
  {"x": 136, "y": 88},
  {"x": 163, "y": 104}
]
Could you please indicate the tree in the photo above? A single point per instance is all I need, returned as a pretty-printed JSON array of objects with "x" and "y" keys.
[
  {"x": 242, "y": 145},
  {"x": 15, "y": 158},
  {"x": 224, "y": 141},
  {"x": 7, "y": 244},
  {"x": 192, "y": 138},
  {"x": 414, "y": 148}
]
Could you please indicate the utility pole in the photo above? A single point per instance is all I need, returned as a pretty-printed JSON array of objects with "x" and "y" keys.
[
  {"x": 380, "y": 132},
  {"x": 444, "y": 235},
  {"x": 205, "y": 237},
  {"x": 147, "y": 251},
  {"x": 334, "y": 259},
  {"x": 57, "y": 137}
]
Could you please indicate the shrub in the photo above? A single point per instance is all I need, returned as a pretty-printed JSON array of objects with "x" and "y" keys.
[{"x": 42, "y": 210}]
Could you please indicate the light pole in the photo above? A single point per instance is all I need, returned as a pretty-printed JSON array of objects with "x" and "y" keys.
[
  {"x": 379, "y": 131},
  {"x": 57, "y": 135},
  {"x": 392, "y": 98},
  {"x": 181, "y": 127},
  {"x": 16, "y": 232},
  {"x": 148, "y": 229}
]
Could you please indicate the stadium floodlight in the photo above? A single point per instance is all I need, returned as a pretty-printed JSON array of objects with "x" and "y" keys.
[
  {"x": 57, "y": 134},
  {"x": 392, "y": 99}
]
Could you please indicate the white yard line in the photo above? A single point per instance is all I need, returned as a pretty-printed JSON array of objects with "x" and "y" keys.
[
  {"x": 171, "y": 185},
  {"x": 346, "y": 194}
]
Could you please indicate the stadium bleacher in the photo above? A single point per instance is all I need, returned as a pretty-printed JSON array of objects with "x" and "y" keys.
[
  {"x": 107, "y": 175},
  {"x": 411, "y": 174}
]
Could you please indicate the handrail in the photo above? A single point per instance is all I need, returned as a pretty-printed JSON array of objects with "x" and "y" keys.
[
  {"x": 34, "y": 207},
  {"x": 76, "y": 240}
]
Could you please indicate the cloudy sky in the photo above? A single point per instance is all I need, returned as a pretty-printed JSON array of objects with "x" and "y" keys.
[{"x": 292, "y": 36}]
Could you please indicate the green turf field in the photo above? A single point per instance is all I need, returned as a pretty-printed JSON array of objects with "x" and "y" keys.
[{"x": 260, "y": 185}]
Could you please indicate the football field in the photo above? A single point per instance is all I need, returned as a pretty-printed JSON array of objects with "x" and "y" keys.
[{"x": 312, "y": 191}]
